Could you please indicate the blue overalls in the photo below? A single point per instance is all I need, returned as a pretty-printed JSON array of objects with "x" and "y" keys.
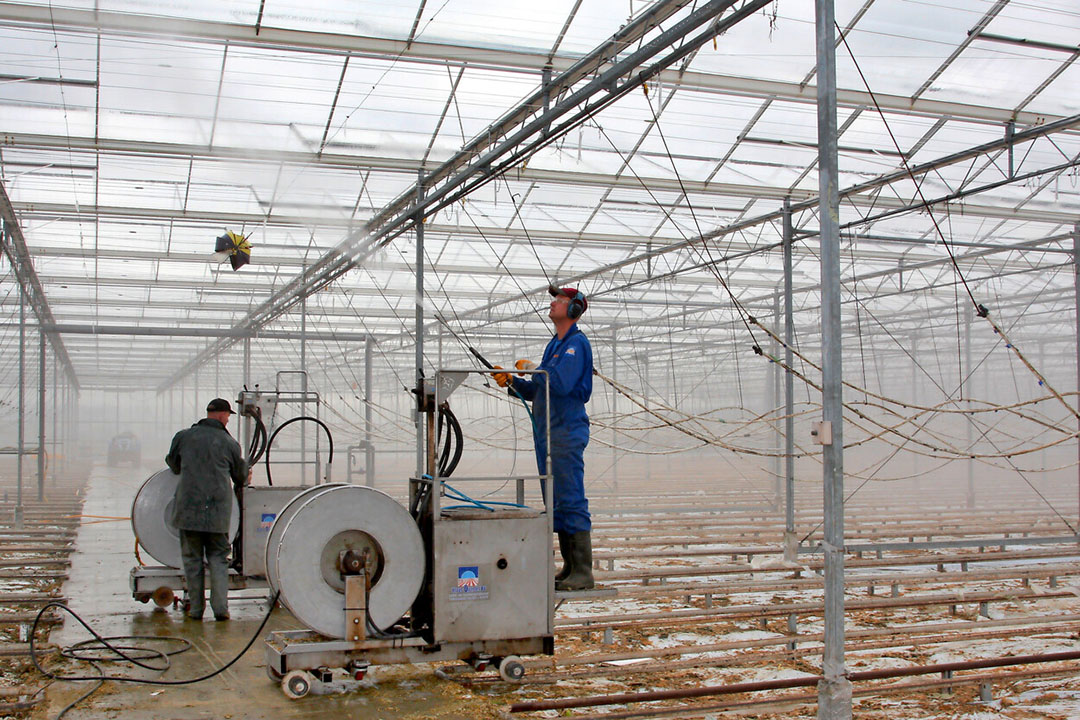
[{"x": 569, "y": 365}]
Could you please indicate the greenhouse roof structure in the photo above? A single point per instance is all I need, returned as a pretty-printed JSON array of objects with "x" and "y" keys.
[{"x": 646, "y": 152}]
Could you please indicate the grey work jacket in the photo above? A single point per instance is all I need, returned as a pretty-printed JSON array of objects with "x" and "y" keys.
[{"x": 206, "y": 457}]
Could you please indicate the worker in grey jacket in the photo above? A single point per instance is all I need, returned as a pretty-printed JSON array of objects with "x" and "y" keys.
[{"x": 210, "y": 464}]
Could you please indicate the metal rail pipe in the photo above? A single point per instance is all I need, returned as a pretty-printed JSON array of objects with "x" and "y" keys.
[
  {"x": 782, "y": 703},
  {"x": 786, "y": 683},
  {"x": 708, "y": 615}
]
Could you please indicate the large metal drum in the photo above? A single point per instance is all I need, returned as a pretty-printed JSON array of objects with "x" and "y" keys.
[
  {"x": 273, "y": 539},
  {"x": 328, "y": 521},
  {"x": 151, "y": 518}
]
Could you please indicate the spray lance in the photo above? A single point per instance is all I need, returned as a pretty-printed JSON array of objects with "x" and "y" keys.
[{"x": 520, "y": 365}]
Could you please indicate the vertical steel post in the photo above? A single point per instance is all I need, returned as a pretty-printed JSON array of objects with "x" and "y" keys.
[
  {"x": 246, "y": 422},
  {"x": 614, "y": 412},
  {"x": 369, "y": 451},
  {"x": 915, "y": 401},
  {"x": 303, "y": 390},
  {"x": 965, "y": 392},
  {"x": 22, "y": 406},
  {"x": 648, "y": 393},
  {"x": 41, "y": 418},
  {"x": 419, "y": 317},
  {"x": 790, "y": 541},
  {"x": 774, "y": 407},
  {"x": 76, "y": 420},
  {"x": 834, "y": 691},
  {"x": 1076, "y": 298},
  {"x": 55, "y": 402}
]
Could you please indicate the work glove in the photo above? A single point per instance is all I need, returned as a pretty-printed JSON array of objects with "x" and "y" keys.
[
  {"x": 503, "y": 379},
  {"x": 524, "y": 364}
]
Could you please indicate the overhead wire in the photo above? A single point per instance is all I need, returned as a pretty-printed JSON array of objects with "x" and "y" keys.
[{"x": 979, "y": 308}]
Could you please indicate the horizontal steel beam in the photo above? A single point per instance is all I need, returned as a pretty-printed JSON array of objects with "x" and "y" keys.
[
  {"x": 52, "y": 210},
  {"x": 140, "y": 330}
]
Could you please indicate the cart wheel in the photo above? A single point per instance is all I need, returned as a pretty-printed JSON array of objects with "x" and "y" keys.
[
  {"x": 511, "y": 669},
  {"x": 143, "y": 597},
  {"x": 296, "y": 684},
  {"x": 273, "y": 674},
  {"x": 163, "y": 597}
]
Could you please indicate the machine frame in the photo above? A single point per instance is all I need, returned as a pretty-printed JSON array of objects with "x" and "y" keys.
[{"x": 303, "y": 659}]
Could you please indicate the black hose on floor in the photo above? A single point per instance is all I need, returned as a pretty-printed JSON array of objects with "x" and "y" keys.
[{"x": 135, "y": 654}]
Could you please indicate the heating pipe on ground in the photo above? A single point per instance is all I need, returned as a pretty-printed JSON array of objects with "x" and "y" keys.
[{"x": 786, "y": 683}]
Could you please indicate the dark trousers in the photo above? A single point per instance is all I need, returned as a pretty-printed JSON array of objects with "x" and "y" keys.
[
  {"x": 215, "y": 546},
  {"x": 571, "y": 512}
]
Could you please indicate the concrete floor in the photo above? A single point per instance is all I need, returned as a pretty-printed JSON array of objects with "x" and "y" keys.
[{"x": 98, "y": 589}]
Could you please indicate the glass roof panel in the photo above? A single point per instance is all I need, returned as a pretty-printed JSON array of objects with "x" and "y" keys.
[
  {"x": 755, "y": 49},
  {"x": 510, "y": 25},
  {"x": 142, "y": 80},
  {"x": 238, "y": 11},
  {"x": 1059, "y": 97},
  {"x": 386, "y": 18},
  {"x": 1000, "y": 75}
]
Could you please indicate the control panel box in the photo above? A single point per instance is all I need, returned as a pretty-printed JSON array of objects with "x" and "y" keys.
[{"x": 491, "y": 576}]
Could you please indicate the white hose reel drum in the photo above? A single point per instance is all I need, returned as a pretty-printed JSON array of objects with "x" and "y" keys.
[
  {"x": 314, "y": 530},
  {"x": 151, "y": 518},
  {"x": 273, "y": 538}
]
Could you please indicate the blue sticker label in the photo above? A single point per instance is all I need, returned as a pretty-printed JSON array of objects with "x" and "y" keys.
[
  {"x": 469, "y": 585},
  {"x": 267, "y": 521}
]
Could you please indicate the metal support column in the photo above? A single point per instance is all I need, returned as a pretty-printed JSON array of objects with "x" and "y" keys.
[
  {"x": 304, "y": 389},
  {"x": 1076, "y": 298},
  {"x": 965, "y": 392},
  {"x": 614, "y": 412},
  {"x": 76, "y": 421},
  {"x": 914, "y": 390},
  {"x": 421, "y": 463},
  {"x": 41, "y": 419},
  {"x": 246, "y": 422},
  {"x": 22, "y": 407},
  {"x": 369, "y": 450},
  {"x": 791, "y": 543},
  {"x": 834, "y": 690},
  {"x": 55, "y": 408},
  {"x": 774, "y": 408}
]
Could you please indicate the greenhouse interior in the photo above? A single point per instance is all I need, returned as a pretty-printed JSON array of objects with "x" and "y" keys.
[{"x": 619, "y": 358}]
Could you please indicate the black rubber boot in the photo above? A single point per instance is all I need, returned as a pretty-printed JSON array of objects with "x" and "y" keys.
[
  {"x": 567, "y": 558},
  {"x": 580, "y": 577}
]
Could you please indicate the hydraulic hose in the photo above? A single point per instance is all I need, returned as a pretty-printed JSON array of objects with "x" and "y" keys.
[{"x": 270, "y": 441}]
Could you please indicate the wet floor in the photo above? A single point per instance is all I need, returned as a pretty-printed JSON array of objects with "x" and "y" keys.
[{"x": 99, "y": 593}]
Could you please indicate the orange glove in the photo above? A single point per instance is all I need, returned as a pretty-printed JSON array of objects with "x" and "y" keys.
[
  {"x": 524, "y": 365},
  {"x": 503, "y": 379}
]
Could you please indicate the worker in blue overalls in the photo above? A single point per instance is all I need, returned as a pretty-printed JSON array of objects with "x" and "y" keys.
[{"x": 569, "y": 364}]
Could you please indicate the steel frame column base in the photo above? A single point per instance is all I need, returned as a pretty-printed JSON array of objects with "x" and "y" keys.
[
  {"x": 791, "y": 547},
  {"x": 834, "y": 699}
]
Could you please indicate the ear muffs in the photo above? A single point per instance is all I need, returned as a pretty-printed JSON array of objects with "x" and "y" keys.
[{"x": 576, "y": 307}]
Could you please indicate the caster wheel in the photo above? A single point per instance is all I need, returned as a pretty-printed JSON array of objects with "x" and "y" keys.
[
  {"x": 296, "y": 684},
  {"x": 163, "y": 597},
  {"x": 511, "y": 669},
  {"x": 143, "y": 598},
  {"x": 273, "y": 674}
]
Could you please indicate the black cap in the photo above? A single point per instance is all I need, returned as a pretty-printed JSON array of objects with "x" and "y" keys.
[{"x": 220, "y": 405}]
